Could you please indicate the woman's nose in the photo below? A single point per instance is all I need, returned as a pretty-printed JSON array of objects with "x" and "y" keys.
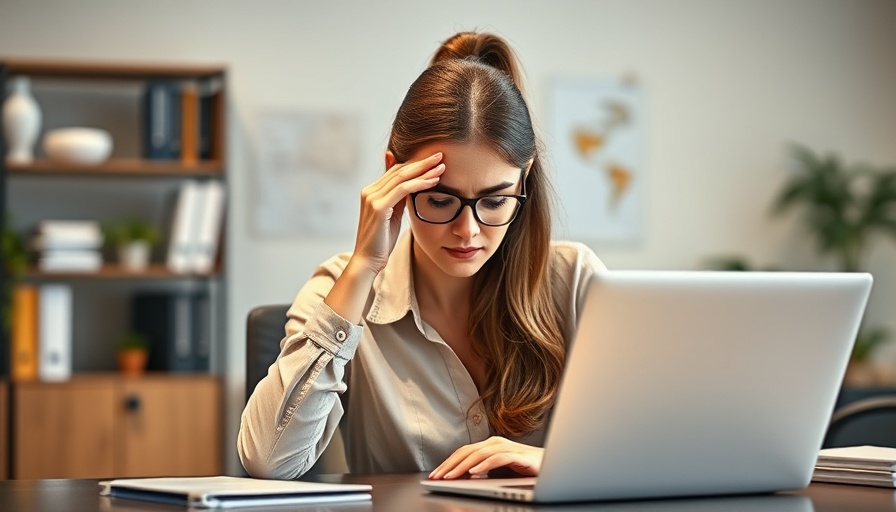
[{"x": 465, "y": 225}]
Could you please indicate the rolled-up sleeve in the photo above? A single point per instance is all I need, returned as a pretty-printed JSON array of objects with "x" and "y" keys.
[{"x": 294, "y": 411}]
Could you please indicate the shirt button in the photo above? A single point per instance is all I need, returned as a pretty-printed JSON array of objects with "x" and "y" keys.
[
  {"x": 340, "y": 336},
  {"x": 477, "y": 419}
]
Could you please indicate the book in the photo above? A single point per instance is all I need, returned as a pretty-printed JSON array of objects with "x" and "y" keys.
[
  {"x": 23, "y": 333},
  {"x": 161, "y": 120},
  {"x": 202, "y": 332},
  {"x": 176, "y": 324},
  {"x": 67, "y": 234},
  {"x": 54, "y": 332},
  {"x": 206, "y": 121},
  {"x": 209, "y": 224},
  {"x": 184, "y": 226},
  {"x": 232, "y": 492},
  {"x": 189, "y": 131},
  {"x": 70, "y": 260},
  {"x": 41, "y": 242}
]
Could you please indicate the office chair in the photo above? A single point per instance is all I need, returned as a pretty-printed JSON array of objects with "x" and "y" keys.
[
  {"x": 264, "y": 331},
  {"x": 869, "y": 421}
]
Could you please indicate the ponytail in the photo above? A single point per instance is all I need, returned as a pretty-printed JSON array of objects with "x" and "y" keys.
[{"x": 488, "y": 49}]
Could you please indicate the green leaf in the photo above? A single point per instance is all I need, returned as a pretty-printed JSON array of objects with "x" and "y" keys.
[{"x": 867, "y": 341}]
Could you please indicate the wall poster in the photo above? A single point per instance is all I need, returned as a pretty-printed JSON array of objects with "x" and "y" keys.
[
  {"x": 598, "y": 150},
  {"x": 308, "y": 178}
]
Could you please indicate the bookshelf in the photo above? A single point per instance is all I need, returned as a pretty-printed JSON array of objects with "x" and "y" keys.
[
  {"x": 129, "y": 167},
  {"x": 110, "y": 95}
]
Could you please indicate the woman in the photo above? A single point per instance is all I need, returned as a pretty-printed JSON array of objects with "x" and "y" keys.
[{"x": 440, "y": 350}]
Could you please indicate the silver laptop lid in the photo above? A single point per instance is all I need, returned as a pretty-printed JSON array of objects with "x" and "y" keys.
[{"x": 695, "y": 383}]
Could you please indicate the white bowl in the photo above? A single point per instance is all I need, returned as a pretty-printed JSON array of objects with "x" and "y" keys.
[{"x": 78, "y": 145}]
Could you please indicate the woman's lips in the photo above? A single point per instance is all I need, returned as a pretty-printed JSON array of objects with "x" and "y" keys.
[{"x": 462, "y": 253}]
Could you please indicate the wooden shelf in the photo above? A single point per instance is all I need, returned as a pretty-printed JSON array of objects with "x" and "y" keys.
[
  {"x": 113, "y": 271},
  {"x": 106, "y": 376},
  {"x": 107, "y": 69},
  {"x": 131, "y": 167}
]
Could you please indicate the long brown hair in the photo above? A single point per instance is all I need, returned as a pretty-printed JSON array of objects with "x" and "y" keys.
[{"x": 471, "y": 93}]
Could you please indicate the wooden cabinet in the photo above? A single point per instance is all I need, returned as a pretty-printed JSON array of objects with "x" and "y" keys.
[{"x": 102, "y": 426}]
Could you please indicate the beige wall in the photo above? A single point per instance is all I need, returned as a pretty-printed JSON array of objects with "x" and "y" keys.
[{"x": 727, "y": 83}]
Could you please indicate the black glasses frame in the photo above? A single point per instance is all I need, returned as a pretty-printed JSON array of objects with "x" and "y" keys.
[{"x": 472, "y": 204}]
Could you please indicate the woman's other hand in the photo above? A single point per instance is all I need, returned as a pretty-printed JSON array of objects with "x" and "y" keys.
[
  {"x": 495, "y": 452},
  {"x": 382, "y": 205}
]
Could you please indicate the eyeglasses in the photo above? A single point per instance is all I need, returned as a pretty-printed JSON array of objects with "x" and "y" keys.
[{"x": 437, "y": 207}]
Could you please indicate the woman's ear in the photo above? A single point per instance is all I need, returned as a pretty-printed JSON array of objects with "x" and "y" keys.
[
  {"x": 529, "y": 166},
  {"x": 390, "y": 160}
]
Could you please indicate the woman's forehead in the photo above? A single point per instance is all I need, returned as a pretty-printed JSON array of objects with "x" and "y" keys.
[{"x": 471, "y": 165}]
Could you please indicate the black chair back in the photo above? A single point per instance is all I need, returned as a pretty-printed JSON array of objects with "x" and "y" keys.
[
  {"x": 264, "y": 331},
  {"x": 868, "y": 421}
]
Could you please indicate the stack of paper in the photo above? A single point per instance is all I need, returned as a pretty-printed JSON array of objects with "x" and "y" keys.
[{"x": 863, "y": 465}]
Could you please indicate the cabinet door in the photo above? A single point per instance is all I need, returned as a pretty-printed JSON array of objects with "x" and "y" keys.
[
  {"x": 171, "y": 427},
  {"x": 64, "y": 430}
]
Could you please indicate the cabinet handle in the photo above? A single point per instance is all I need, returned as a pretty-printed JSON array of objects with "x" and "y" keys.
[{"x": 132, "y": 403}]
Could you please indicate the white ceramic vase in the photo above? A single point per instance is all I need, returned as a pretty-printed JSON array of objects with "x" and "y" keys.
[{"x": 21, "y": 121}]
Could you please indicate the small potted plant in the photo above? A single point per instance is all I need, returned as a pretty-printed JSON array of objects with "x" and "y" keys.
[
  {"x": 133, "y": 239},
  {"x": 133, "y": 353}
]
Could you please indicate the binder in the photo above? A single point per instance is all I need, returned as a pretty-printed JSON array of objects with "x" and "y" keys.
[
  {"x": 177, "y": 327},
  {"x": 23, "y": 334},
  {"x": 209, "y": 223},
  {"x": 189, "y": 109},
  {"x": 202, "y": 332},
  {"x": 184, "y": 225},
  {"x": 161, "y": 120},
  {"x": 206, "y": 124},
  {"x": 55, "y": 332}
]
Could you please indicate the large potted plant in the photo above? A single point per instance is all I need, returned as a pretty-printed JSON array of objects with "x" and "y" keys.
[{"x": 845, "y": 208}]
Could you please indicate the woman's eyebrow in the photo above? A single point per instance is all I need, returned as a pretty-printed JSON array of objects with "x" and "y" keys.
[{"x": 484, "y": 192}]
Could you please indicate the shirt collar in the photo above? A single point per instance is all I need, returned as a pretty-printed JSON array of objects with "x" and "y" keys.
[{"x": 394, "y": 287}]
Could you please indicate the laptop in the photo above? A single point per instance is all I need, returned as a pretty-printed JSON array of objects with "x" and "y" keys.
[{"x": 693, "y": 383}]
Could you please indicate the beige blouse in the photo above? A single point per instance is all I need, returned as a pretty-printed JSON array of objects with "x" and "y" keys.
[{"x": 400, "y": 393}]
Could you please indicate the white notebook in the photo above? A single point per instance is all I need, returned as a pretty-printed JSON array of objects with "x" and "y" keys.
[{"x": 232, "y": 492}]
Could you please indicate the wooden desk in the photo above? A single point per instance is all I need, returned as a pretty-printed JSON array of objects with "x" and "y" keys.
[{"x": 402, "y": 493}]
